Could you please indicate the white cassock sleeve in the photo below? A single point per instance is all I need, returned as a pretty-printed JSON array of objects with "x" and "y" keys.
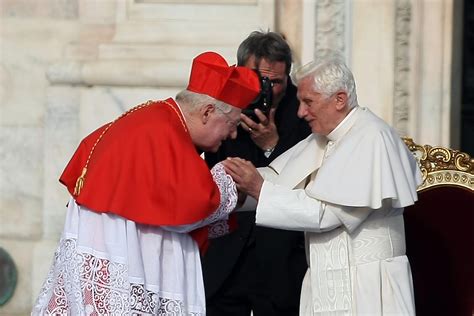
[
  {"x": 283, "y": 208},
  {"x": 250, "y": 204}
]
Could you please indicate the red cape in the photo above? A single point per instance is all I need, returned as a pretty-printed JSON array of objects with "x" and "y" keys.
[{"x": 146, "y": 169}]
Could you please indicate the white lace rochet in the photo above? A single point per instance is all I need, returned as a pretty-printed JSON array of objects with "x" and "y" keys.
[{"x": 107, "y": 265}]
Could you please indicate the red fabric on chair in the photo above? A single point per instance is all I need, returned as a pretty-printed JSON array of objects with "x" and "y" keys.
[{"x": 440, "y": 247}]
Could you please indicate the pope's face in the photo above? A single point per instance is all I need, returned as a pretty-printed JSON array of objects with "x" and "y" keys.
[{"x": 318, "y": 110}]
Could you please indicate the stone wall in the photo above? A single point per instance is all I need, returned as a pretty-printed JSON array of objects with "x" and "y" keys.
[{"x": 32, "y": 37}]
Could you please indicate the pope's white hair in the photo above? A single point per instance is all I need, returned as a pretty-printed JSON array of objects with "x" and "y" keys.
[{"x": 330, "y": 75}]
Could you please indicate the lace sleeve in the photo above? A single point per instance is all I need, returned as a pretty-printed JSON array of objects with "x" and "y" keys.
[
  {"x": 229, "y": 197},
  {"x": 228, "y": 192}
]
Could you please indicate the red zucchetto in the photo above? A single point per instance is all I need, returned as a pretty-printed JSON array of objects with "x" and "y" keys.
[{"x": 235, "y": 85}]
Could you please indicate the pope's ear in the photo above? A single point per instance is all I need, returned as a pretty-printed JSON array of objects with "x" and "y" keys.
[
  {"x": 341, "y": 100},
  {"x": 206, "y": 112}
]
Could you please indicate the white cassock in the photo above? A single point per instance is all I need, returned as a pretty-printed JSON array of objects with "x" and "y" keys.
[
  {"x": 347, "y": 191},
  {"x": 108, "y": 265}
]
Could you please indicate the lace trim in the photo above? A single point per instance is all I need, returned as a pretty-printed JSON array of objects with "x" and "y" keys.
[
  {"x": 228, "y": 194},
  {"x": 217, "y": 221},
  {"x": 82, "y": 284},
  {"x": 227, "y": 188},
  {"x": 218, "y": 229}
]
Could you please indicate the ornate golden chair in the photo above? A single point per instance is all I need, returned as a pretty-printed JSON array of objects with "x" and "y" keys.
[{"x": 440, "y": 232}]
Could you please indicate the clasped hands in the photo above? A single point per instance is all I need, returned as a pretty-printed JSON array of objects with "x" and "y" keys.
[{"x": 247, "y": 179}]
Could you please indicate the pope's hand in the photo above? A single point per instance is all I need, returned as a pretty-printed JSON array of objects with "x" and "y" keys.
[{"x": 245, "y": 175}]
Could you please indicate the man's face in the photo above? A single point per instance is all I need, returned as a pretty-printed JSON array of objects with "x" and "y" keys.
[
  {"x": 319, "y": 111},
  {"x": 220, "y": 126},
  {"x": 276, "y": 72}
]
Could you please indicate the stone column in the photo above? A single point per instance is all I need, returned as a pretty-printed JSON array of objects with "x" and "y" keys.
[
  {"x": 327, "y": 25},
  {"x": 435, "y": 98}
]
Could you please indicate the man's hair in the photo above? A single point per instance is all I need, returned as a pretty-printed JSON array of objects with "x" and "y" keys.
[
  {"x": 192, "y": 102},
  {"x": 265, "y": 45},
  {"x": 330, "y": 75}
]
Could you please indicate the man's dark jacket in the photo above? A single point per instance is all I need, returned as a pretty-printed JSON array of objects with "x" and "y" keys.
[{"x": 280, "y": 255}]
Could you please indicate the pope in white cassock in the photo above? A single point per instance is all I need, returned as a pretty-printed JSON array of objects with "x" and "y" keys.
[{"x": 346, "y": 186}]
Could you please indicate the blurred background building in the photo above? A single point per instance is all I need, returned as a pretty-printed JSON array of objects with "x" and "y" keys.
[{"x": 69, "y": 66}]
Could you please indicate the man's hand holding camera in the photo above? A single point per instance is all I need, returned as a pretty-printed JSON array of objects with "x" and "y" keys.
[{"x": 264, "y": 133}]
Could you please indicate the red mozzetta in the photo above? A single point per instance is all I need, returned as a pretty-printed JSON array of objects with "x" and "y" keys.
[{"x": 144, "y": 168}]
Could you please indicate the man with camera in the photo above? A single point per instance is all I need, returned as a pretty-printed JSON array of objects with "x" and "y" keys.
[{"x": 256, "y": 268}]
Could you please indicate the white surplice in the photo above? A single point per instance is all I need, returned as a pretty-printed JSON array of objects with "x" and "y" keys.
[
  {"x": 347, "y": 191},
  {"x": 108, "y": 265}
]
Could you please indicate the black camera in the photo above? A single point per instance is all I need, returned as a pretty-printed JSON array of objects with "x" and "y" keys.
[{"x": 264, "y": 100}]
